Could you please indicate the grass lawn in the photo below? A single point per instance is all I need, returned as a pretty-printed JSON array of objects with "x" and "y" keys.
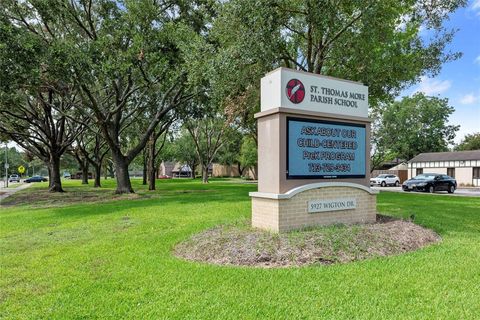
[{"x": 83, "y": 256}]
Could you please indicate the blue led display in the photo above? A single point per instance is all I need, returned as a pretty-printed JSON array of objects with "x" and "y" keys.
[{"x": 323, "y": 149}]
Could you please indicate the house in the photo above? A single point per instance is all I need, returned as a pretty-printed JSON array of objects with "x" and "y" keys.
[
  {"x": 464, "y": 166},
  {"x": 166, "y": 169}
]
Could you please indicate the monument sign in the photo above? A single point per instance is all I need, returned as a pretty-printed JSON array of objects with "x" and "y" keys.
[{"x": 313, "y": 152}]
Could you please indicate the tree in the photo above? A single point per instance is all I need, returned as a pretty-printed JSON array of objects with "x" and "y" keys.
[
  {"x": 83, "y": 165},
  {"x": 35, "y": 120},
  {"x": 248, "y": 155},
  {"x": 153, "y": 150},
  {"x": 182, "y": 149},
  {"x": 90, "y": 149},
  {"x": 34, "y": 97},
  {"x": 15, "y": 159},
  {"x": 375, "y": 42},
  {"x": 229, "y": 152},
  {"x": 414, "y": 125},
  {"x": 125, "y": 58},
  {"x": 380, "y": 151},
  {"x": 208, "y": 134},
  {"x": 95, "y": 151},
  {"x": 469, "y": 142},
  {"x": 68, "y": 163}
]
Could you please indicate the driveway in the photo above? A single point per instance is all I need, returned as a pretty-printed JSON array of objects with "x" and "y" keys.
[{"x": 470, "y": 192}]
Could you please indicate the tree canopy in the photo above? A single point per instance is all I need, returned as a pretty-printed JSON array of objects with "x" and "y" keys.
[
  {"x": 124, "y": 61},
  {"x": 469, "y": 142},
  {"x": 378, "y": 43},
  {"x": 126, "y": 70},
  {"x": 414, "y": 125}
]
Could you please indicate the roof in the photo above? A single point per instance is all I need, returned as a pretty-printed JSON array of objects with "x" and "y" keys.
[
  {"x": 401, "y": 166},
  {"x": 181, "y": 167},
  {"x": 447, "y": 156}
]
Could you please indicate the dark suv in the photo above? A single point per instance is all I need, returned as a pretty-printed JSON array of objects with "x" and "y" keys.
[{"x": 430, "y": 182}]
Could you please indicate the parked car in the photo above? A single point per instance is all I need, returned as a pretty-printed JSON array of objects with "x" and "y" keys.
[
  {"x": 430, "y": 182},
  {"x": 36, "y": 179},
  {"x": 14, "y": 178},
  {"x": 385, "y": 179},
  {"x": 67, "y": 175}
]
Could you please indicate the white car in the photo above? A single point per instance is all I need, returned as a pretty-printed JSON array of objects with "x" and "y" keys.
[
  {"x": 14, "y": 178},
  {"x": 385, "y": 179}
]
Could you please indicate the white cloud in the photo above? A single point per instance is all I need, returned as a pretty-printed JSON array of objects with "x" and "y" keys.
[
  {"x": 477, "y": 59},
  {"x": 431, "y": 86},
  {"x": 468, "y": 99},
  {"x": 476, "y": 7}
]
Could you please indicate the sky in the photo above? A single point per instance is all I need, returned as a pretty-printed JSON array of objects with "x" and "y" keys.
[{"x": 459, "y": 81}]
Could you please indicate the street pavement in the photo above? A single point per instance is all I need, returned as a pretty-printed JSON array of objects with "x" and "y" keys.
[{"x": 469, "y": 192}]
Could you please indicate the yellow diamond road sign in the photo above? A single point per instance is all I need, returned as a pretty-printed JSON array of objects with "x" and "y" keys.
[{"x": 21, "y": 169}]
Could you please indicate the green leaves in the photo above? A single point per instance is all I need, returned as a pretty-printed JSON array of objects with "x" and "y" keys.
[
  {"x": 248, "y": 153},
  {"x": 375, "y": 42},
  {"x": 414, "y": 125},
  {"x": 469, "y": 142}
]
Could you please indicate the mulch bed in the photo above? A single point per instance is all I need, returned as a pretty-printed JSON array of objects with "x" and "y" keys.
[{"x": 241, "y": 245}]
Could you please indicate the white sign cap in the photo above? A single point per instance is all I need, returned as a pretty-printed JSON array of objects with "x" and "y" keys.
[{"x": 311, "y": 92}]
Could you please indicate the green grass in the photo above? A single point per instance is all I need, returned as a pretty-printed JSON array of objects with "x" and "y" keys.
[{"x": 101, "y": 259}]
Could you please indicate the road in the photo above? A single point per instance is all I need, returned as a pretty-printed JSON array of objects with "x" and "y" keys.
[{"x": 470, "y": 192}]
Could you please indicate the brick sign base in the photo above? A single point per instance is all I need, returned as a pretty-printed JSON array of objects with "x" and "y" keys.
[{"x": 351, "y": 203}]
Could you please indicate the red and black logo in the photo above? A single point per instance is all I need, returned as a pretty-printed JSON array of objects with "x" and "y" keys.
[{"x": 295, "y": 91}]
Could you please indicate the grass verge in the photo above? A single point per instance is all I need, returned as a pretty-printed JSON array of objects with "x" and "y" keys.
[{"x": 113, "y": 259}]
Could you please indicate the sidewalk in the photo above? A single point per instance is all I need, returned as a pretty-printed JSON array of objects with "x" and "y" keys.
[{"x": 7, "y": 192}]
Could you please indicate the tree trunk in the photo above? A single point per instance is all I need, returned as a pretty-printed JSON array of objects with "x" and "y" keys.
[
  {"x": 204, "y": 174},
  {"x": 49, "y": 168},
  {"x": 98, "y": 173},
  {"x": 110, "y": 169},
  {"x": 151, "y": 170},
  {"x": 145, "y": 169},
  {"x": 121, "y": 169},
  {"x": 192, "y": 168},
  {"x": 240, "y": 169},
  {"x": 54, "y": 173},
  {"x": 84, "y": 167},
  {"x": 152, "y": 178}
]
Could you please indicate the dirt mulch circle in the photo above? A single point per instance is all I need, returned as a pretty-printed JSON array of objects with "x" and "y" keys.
[{"x": 241, "y": 245}]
